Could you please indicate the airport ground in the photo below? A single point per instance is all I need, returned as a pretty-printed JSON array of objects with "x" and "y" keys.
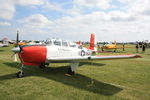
[{"x": 125, "y": 79}]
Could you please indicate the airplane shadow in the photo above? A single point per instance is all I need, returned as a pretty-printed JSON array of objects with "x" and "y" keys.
[
  {"x": 91, "y": 63},
  {"x": 77, "y": 81},
  {"x": 1, "y": 50}
]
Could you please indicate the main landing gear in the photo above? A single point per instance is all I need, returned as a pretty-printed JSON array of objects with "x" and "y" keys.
[
  {"x": 20, "y": 73},
  {"x": 72, "y": 69},
  {"x": 70, "y": 72}
]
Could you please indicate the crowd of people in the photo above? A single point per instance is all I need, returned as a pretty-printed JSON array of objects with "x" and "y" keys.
[{"x": 141, "y": 45}]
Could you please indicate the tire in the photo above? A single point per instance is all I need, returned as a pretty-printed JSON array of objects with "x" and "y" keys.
[
  {"x": 20, "y": 75},
  {"x": 42, "y": 66}
]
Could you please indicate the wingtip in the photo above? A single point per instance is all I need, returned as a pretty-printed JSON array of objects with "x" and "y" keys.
[{"x": 138, "y": 56}]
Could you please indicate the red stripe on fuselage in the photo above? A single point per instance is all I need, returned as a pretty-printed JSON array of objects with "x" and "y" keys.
[{"x": 33, "y": 55}]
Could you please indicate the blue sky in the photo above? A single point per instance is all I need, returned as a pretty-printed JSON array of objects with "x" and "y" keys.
[{"x": 109, "y": 20}]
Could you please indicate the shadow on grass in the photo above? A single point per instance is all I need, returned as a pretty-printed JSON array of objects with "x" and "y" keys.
[
  {"x": 2, "y": 50},
  {"x": 91, "y": 63},
  {"x": 77, "y": 81}
]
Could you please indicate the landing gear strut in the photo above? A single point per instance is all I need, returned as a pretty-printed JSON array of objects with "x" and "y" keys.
[
  {"x": 72, "y": 69},
  {"x": 20, "y": 73},
  {"x": 43, "y": 65},
  {"x": 70, "y": 72}
]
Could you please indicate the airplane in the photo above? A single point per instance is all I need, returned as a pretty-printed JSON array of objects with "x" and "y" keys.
[
  {"x": 22, "y": 43},
  {"x": 5, "y": 42},
  {"x": 35, "y": 43},
  {"x": 57, "y": 50},
  {"x": 79, "y": 43},
  {"x": 112, "y": 46}
]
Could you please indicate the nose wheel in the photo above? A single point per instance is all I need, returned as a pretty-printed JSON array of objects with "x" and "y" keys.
[
  {"x": 43, "y": 65},
  {"x": 20, "y": 73}
]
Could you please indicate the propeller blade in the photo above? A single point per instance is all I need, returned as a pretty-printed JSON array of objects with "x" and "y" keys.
[
  {"x": 16, "y": 49},
  {"x": 17, "y": 39},
  {"x": 14, "y": 56}
]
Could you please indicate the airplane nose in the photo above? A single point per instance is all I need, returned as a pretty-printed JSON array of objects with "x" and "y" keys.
[{"x": 16, "y": 49}]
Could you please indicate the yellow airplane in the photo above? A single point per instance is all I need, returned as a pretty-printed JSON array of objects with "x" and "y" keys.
[{"x": 112, "y": 46}]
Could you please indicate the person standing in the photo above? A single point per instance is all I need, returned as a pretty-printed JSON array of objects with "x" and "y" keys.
[
  {"x": 143, "y": 48},
  {"x": 98, "y": 47},
  {"x": 137, "y": 47},
  {"x": 123, "y": 46}
]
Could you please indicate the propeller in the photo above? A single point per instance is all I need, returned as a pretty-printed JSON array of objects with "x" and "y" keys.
[
  {"x": 17, "y": 39},
  {"x": 16, "y": 49}
]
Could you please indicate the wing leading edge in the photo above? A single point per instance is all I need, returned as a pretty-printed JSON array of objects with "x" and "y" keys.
[{"x": 79, "y": 58}]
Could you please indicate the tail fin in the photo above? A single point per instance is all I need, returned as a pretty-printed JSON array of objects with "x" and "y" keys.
[
  {"x": 115, "y": 43},
  {"x": 93, "y": 43},
  {"x": 5, "y": 41}
]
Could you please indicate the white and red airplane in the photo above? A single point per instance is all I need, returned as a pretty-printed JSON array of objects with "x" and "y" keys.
[{"x": 57, "y": 50}]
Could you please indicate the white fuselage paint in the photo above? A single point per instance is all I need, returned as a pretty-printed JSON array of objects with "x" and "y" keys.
[{"x": 61, "y": 51}]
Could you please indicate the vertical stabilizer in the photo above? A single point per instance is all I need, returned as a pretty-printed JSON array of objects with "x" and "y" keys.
[
  {"x": 93, "y": 43},
  {"x": 115, "y": 43},
  {"x": 5, "y": 41}
]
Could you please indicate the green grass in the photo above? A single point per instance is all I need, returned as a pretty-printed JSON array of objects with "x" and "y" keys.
[{"x": 126, "y": 79}]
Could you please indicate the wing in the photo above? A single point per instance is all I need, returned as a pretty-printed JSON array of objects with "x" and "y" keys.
[{"x": 80, "y": 58}]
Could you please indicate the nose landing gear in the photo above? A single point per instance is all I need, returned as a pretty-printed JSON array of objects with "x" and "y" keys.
[
  {"x": 20, "y": 73},
  {"x": 44, "y": 65}
]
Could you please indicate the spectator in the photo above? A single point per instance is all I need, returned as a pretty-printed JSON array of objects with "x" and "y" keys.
[
  {"x": 123, "y": 46},
  {"x": 137, "y": 47},
  {"x": 143, "y": 48}
]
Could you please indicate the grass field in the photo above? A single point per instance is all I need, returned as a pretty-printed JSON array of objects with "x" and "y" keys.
[{"x": 127, "y": 79}]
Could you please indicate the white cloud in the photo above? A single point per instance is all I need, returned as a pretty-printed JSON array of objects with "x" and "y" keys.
[
  {"x": 97, "y": 17},
  {"x": 121, "y": 16},
  {"x": 110, "y": 26},
  {"x": 7, "y": 7},
  {"x": 5, "y": 24},
  {"x": 141, "y": 7},
  {"x": 126, "y": 1},
  {"x": 29, "y": 2},
  {"x": 36, "y": 20},
  {"x": 129, "y": 24},
  {"x": 74, "y": 11},
  {"x": 103, "y": 4},
  {"x": 138, "y": 7},
  {"x": 115, "y": 25},
  {"x": 51, "y": 6}
]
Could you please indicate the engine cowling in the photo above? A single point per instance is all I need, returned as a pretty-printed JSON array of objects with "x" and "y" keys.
[{"x": 33, "y": 55}]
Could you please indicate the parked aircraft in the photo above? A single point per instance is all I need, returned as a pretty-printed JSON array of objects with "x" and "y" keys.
[
  {"x": 5, "y": 42},
  {"x": 112, "y": 46},
  {"x": 57, "y": 50}
]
